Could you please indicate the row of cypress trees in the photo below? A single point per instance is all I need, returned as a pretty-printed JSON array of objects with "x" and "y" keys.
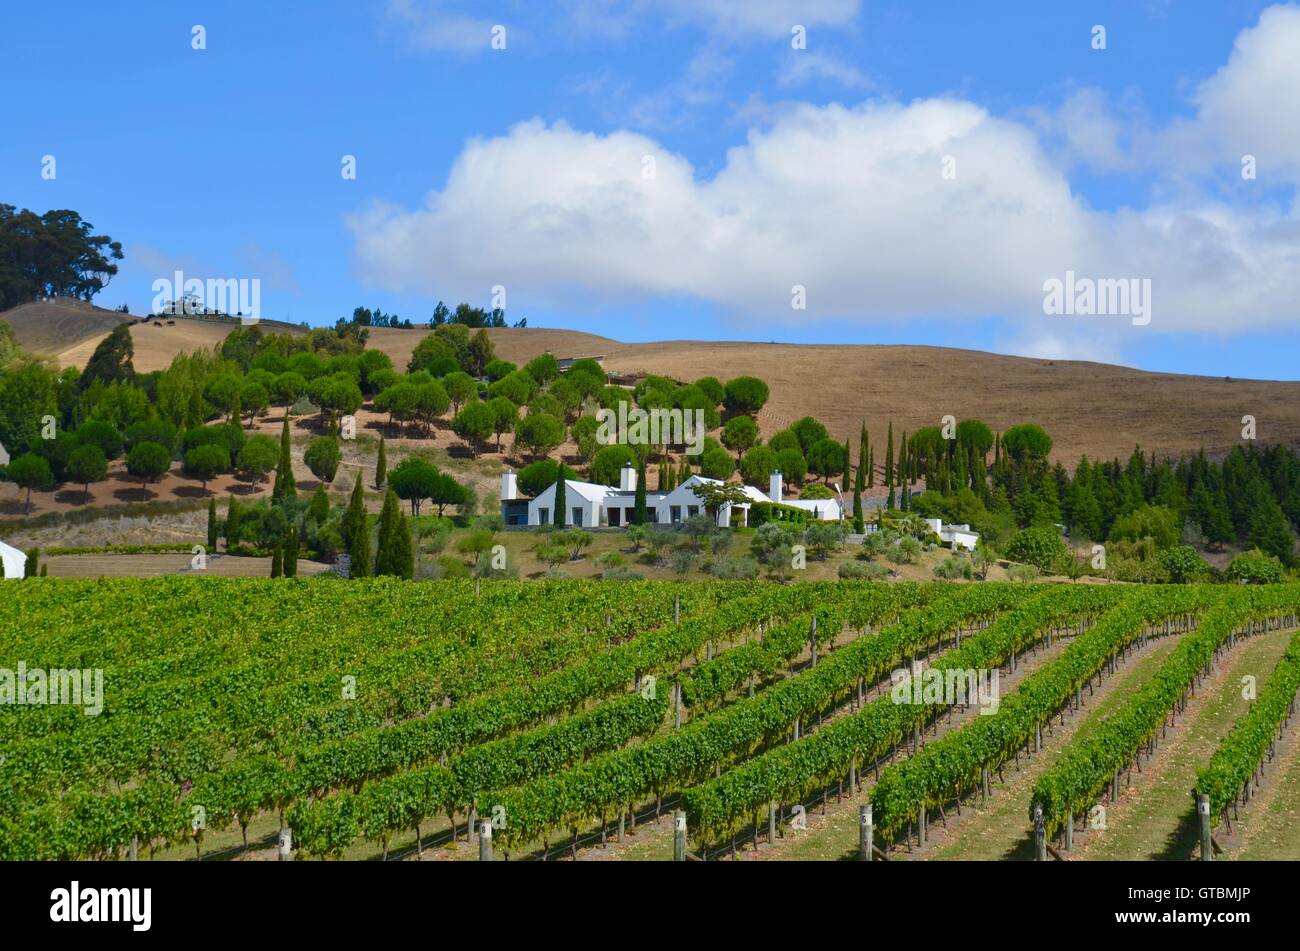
[{"x": 395, "y": 554}]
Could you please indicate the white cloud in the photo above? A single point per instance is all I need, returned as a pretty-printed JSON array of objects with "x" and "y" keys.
[
  {"x": 801, "y": 66},
  {"x": 768, "y": 18},
  {"x": 1252, "y": 104},
  {"x": 848, "y": 202},
  {"x": 435, "y": 25},
  {"x": 1247, "y": 107}
]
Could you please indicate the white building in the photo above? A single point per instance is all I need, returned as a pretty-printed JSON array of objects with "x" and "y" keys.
[
  {"x": 4, "y": 455},
  {"x": 15, "y": 561},
  {"x": 956, "y": 536},
  {"x": 589, "y": 505}
]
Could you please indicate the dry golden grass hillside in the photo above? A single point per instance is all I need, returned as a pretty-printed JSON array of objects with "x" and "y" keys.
[{"x": 1089, "y": 408}]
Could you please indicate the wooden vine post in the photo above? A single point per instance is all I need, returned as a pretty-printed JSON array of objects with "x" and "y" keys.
[
  {"x": 1203, "y": 813},
  {"x": 865, "y": 833},
  {"x": 1040, "y": 835}
]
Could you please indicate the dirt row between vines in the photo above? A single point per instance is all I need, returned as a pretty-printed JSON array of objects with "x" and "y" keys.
[
  {"x": 656, "y": 841},
  {"x": 1154, "y": 816},
  {"x": 997, "y": 826},
  {"x": 644, "y": 840},
  {"x": 1268, "y": 827},
  {"x": 438, "y": 843}
]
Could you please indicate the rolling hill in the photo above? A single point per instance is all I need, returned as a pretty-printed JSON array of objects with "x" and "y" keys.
[
  {"x": 54, "y": 326},
  {"x": 1089, "y": 408}
]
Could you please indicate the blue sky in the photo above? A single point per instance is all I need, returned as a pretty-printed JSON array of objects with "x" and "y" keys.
[{"x": 524, "y": 167}]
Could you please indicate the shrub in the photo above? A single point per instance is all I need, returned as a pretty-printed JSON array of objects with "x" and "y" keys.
[
  {"x": 452, "y": 567},
  {"x": 825, "y": 537},
  {"x": 817, "y": 491},
  {"x": 1255, "y": 567},
  {"x": 954, "y": 567},
  {"x": 760, "y": 513},
  {"x": 683, "y": 560},
  {"x": 1041, "y": 547},
  {"x": 771, "y": 543},
  {"x": 1023, "y": 573},
  {"x": 905, "y": 552},
  {"x": 849, "y": 570},
  {"x": 1184, "y": 565},
  {"x": 303, "y": 407},
  {"x": 322, "y": 458},
  {"x": 1149, "y": 521},
  {"x": 735, "y": 569},
  {"x": 621, "y": 573}
]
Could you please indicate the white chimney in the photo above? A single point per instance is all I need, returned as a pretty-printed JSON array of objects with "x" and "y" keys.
[
  {"x": 774, "y": 489},
  {"x": 509, "y": 485},
  {"x": 627, "y": 478}
]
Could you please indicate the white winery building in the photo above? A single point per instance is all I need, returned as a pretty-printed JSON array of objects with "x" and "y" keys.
[
  {"x": 590, "y": 505},
  {"x": 15, "y": 561}
]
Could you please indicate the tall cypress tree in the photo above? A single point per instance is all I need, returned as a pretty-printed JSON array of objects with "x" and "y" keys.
[
  {"x": 358, "y": 534},
  {"x": 395, "y": 556},
  {"x": 871, "y": 466},
  {"x": 889, "y": 465},
  {"x": 860, "y": 482},
  {"x": 291, "y": 553},
  {"x": 381, "y": 466},
  {"x": 232, "y": 524},
  {"x": 640, "y": 514},
  {"x": 212, "y": 523},
  {"x": 284, "y": 485},
  {"x": 319, "y": 508},
  {"x": 560, "y": 500},
  {"x": 277, "y": 562}
]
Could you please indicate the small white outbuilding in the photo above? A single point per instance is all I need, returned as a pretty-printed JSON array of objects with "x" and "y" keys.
[{"x": 14, "y": 561}]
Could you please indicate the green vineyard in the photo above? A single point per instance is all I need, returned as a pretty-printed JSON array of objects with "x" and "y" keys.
[{"x": 569, "y": 719}]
